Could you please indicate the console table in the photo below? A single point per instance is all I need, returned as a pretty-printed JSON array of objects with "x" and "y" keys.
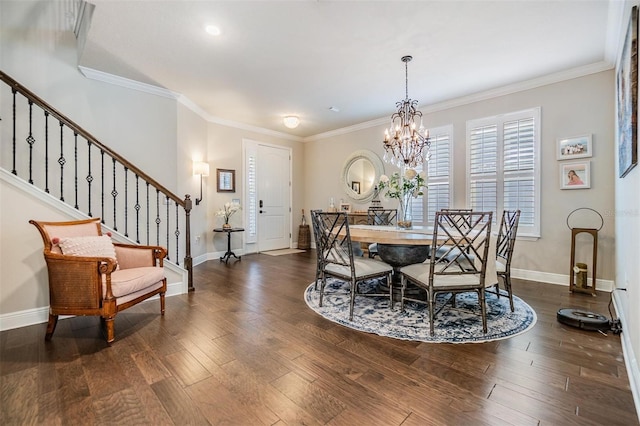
[{"x": 229, "y": 253}]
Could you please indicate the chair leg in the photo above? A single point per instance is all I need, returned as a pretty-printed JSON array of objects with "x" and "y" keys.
[
  {"x": 51, "y": 326},
  {"x": 323, "y": 282},
  {"x": 352, "y": 302},
  {"x": 507, "y": 286},
  {"x": 432, "y": 308},
  {"x": 109, "y": 329},
  {"x": 161, "y": 303},
  {"x": 483, "y": 309},
  {"x": 390, "y": 284},
  {"x": 403, "y": 285}
]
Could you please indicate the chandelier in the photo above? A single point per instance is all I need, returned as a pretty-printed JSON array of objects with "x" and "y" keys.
[{"x": 404, "y": 144}]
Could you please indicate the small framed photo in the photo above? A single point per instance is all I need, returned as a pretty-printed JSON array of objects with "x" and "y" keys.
[
  {"x": 226, "y": 180},
  {"x": 575, "y": 175},
  {"x": 345, "y": 207},
  {"x": 355, "y": 185},
  {"x": 575, "y": 147}
]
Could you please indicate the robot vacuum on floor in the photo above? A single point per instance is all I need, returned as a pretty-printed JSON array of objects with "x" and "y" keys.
[{"x": 583, "y": 319}]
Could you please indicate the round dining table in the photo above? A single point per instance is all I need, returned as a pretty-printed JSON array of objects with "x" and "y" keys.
[{"x": 396, "y": 247}]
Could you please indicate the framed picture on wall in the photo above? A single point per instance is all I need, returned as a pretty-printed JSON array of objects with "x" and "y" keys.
[
  {"x": 226, "y": 179},
  {"x": 345, "y": 207},
  {"x": 627, "y": 98},
  {"x": 575, "y": 175},
  {"x": 575, "y": 147}
]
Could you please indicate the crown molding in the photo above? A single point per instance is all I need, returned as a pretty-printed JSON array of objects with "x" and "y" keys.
[
  {"x": 480, "y": 96},
  {"x": 440, "y": 106},
  {"x": 105, "y": 77}
]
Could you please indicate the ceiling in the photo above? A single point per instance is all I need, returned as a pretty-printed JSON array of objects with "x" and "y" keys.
[{"x": 275, "y": 58}]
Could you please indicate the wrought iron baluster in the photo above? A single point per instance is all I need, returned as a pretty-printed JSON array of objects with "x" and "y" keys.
[
  {"x": 89, "y": 176},
  {"x": 75, "y": 162},
  {"x": 14, "y": 91},
  {"x": 148, "y": 214},
  {"x": 46, "y": 152},
  {"x": 137, "y": 207},
  {"x": 30, "y": 141},
  {"x": 167, "y": 226},
  {"x": 114, "y": 194},
  {"x": 102, "y": 182},
  {"x": 158, "y": 220},
  {"x": 177, "y": 233},
  {"x": 126, "y": 198},
  {"x": 61, "y": 161}
]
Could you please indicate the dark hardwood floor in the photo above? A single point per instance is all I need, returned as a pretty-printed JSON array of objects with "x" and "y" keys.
[{"x": 244, "y": 349}]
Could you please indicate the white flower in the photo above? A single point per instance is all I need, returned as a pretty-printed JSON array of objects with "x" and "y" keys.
[
  {"x": 384, "y": 179},
  {"x": 410, "y": 174},
  {"x": 227, "y": 211}
]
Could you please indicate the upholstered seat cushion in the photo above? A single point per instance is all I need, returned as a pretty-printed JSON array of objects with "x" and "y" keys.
[
  {"x": 127, "y": 281},
  {"x": 364, "y": 267}
]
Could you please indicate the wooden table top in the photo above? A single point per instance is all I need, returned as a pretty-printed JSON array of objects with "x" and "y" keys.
[{"x": 418, "y": 235}]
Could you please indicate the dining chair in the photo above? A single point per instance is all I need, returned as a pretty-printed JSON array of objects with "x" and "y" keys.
[
  {"x": 380, "y": 217},
  {"x": 461, "y": 220},
  {"x": 505, "y": 244},
  {"x": 316, "y": 235},
  {"x": 338, "y": 260},
  {"x": 462, "y": 241}
]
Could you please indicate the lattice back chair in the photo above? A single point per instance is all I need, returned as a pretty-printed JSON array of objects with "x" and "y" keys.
[
  {"x": 338, "y": 260},
  {"x": 504, "y": 250},
  {"x": 461, "y": 219},
  {"x": 90, "y": 275},
  {"x": 380, "y": 217},
  {"x": 467, "y": 241},
  {"x": 316, "y": 238}
]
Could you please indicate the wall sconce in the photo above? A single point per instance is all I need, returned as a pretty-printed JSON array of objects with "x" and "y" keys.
[{"x": 200, "y": 168}]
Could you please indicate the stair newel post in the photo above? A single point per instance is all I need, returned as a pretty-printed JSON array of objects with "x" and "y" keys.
[{"x": 188, "y": 263}]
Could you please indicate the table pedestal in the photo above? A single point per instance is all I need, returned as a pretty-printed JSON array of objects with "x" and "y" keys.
[
  {"x": 229, "y": 253},
  {"x": 399, "y": 255}
]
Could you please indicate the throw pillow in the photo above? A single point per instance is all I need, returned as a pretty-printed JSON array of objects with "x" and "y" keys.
[{"x": 93, "y": 246}]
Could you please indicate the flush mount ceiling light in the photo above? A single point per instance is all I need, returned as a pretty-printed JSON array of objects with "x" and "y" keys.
[
  {"x": 405, "y": 143},
  {"x": 291, "y": 121},
  {"x": 213, "y": 30}
]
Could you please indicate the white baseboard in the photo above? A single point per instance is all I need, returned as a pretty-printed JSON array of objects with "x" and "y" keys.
[
  {"x": 560, "y": 279},
  {"x": 40, "y": 315}
]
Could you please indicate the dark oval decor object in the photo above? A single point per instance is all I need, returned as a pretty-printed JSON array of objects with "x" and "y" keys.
[{"x": 583, "y": 319}]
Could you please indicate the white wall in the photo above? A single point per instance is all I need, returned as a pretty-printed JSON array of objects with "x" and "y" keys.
[{"x": 627, "y": 213}]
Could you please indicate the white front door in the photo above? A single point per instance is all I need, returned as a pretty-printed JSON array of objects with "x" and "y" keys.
[{"x": 274, "y": 197}]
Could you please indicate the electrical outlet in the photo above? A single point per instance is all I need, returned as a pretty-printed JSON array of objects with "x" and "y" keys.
[{"x": 197, "y": 239}]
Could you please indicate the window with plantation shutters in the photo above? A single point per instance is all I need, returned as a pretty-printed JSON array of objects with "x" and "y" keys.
[
  {"x": 438, "y": 176},
  {"x": 503, "y": 170}
]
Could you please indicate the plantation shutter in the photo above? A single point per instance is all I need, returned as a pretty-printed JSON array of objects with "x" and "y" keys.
[
  {"x": 438, "y": 171},
  {"x": 519, "y": 161},
  {"x": 503, "y": 166},
  {"x": 251, "y": 208},
  {"x": 483, "y": 146}
]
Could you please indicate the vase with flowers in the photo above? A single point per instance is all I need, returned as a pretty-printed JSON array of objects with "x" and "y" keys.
[
  {"x": 227, "y": 210},
  {"x": 405, "y": 187}
]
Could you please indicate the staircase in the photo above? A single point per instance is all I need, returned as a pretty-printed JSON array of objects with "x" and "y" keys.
[{"x": 55, "y": 155}]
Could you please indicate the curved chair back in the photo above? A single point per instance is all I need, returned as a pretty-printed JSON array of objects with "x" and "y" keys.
[{"x": 507, "y": 237}]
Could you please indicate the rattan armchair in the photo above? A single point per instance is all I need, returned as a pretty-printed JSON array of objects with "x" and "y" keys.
[{"x": 84, "y": 283}]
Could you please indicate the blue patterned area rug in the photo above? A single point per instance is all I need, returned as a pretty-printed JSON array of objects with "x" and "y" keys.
[{"x": 462, "y": 324}]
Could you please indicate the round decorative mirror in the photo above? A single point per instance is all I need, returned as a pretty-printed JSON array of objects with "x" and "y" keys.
[{"x": 360, "y": 174}]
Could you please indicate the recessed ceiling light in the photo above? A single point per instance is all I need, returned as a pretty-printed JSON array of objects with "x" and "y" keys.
[
  {"x": 291, "y": 121},
  {"x": 213, "y": 30},
  {"x": 334, "y": 109}
]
